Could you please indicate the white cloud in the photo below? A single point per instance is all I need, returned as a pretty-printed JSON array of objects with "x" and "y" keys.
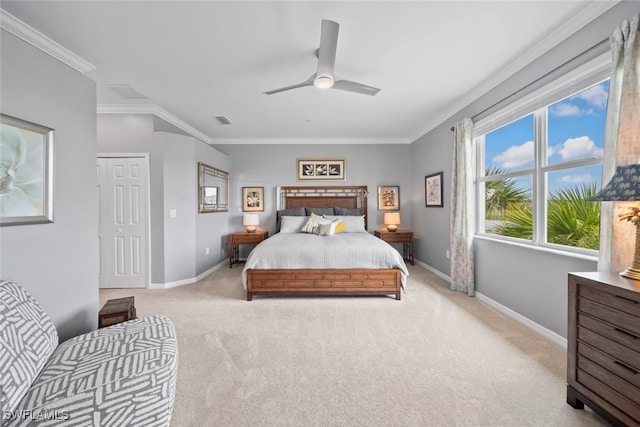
[
  {"x": 515, "y": 156},
  {"x": 577, "y": 148},
  {"x": 577, "y": 179},
  {"x": 566, "y": 110},
  {"x": 596, "y": 96}
]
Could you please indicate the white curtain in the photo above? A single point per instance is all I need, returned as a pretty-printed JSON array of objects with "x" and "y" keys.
[
  {"x": 462, "y": 210},
  {"x": 621, "y": 143}
]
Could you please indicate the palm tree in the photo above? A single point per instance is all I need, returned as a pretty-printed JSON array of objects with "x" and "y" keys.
[
  {"x": 501, "y": 195},
  {"x": 572, "y": 219}
]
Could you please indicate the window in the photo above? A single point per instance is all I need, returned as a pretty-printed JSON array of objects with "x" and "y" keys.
[{"x": 537, "y": 172}]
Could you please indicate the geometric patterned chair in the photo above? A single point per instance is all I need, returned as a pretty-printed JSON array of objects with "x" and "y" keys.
[{"x": 122, "y": 375}]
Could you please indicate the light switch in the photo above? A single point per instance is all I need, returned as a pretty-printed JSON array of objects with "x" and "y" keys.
[{"x": 172, "y": 213}]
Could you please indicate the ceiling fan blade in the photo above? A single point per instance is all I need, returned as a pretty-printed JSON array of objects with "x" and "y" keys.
[
  {"x": 282, "y": 89},
  {"x": 327, "y": 51},
  {"x": 355, "y": 87}
]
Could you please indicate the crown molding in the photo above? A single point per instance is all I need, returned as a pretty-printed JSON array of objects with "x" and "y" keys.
[
  {"x": 38, "y": 40},
  {"x": 310, "y": 141},
  {"x": 156, "y": 111},
  {"x": 573, "y": 24}
]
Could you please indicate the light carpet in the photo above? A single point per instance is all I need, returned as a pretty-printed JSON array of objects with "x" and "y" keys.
[{"x": 435, "y": 358}]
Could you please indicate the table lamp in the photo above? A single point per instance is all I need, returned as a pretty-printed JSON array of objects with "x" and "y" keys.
[
  {"x": 625, "y": 187},
  {"x": 250, "y": 221},
  {"x": 392, "y": 220}
]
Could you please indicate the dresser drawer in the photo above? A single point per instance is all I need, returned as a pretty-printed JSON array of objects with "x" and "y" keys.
[
  {"x": 617, "y": 351},
  {"x": 612, "y": 332},
  {"x": 629, "y": 304},
  {"x": 632, "y": 376},
  {"x": 609, "y": 394},
  {"x": 612, "y": 316}
]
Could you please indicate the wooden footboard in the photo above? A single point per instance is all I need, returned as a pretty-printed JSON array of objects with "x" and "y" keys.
[{"x": 324, "y": 282}]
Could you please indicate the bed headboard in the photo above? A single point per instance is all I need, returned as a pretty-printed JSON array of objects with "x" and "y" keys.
[{"x": 350, "y": 197}]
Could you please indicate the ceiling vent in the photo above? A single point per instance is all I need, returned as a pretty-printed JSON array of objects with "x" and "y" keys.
[
  {"x": 126, "y": 91},
  {"x": 223, "y": 120}
]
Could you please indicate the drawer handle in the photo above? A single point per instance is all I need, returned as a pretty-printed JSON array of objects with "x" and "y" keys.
[
  {"x": 622, "y": 365},
  {"x": 627, "y": 300},
  {"x": 625, "y": 333}
]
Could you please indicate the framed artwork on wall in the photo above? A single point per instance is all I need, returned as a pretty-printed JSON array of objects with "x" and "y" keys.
[
  {"x": 320, "y": 170},
  {"x": 433, "y": 190},
  {"x": 253, "y": 199},
  {"x": 389, "y": 198},
  {"x": 26, "y": 172}
]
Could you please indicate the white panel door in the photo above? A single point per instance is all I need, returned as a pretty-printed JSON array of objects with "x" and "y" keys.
[{"x": 122, "y": 222}]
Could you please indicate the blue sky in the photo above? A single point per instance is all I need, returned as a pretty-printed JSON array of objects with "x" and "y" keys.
[{"x": 575, "y": 131}]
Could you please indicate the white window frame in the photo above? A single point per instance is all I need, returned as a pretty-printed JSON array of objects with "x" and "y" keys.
[{"x": 537, "y": 103}]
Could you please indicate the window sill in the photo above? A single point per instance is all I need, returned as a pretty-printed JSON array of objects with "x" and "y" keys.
[{"x": 569, "y": 254}]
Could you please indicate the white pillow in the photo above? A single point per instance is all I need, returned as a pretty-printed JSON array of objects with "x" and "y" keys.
[
  {"x": 354, "y": 223},
  {"x": 292, "y": 224}
]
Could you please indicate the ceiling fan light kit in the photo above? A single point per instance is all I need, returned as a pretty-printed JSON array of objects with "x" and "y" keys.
[
  {"x": 323, "y": 82},
  {"x": 324, "y": 77}
]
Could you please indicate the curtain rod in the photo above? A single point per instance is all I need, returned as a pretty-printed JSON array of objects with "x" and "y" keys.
[{"x": 583, "y": 57}]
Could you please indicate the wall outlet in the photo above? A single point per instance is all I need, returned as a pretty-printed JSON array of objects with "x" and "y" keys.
[
  {"x": 447, "y": 253},
  {"x": 206, "y": 250}
]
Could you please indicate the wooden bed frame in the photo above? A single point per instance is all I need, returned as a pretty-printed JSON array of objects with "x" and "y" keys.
[{"x": 324, "y": 282}]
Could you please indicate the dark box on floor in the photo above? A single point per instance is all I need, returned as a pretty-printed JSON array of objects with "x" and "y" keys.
[{"x": 116, "y": 311}]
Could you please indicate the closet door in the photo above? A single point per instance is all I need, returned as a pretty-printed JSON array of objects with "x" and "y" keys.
[{"x": 122, "y": 222}]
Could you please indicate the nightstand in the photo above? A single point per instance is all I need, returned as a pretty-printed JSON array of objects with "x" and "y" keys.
[
  {"x": 237, "y": 239},
  {"x": 401, "y": 236}
]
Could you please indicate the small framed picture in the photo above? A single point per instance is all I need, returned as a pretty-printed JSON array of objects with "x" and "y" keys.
[
  {"x": 320, "y": 170},
  {"x": 253, "y": 199},
  {"x": 433, "y": 190},
  {"x": 389, "y": 198}
]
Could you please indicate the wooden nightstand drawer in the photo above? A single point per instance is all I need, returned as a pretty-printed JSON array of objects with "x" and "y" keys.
[
  {"x": 627, "y": 373},
  {"x": 629, "y": 304},
  {"x": 256, "y": 237},
  {"x": 613, "y": 332},
  {"x": 617, "y": 351}
]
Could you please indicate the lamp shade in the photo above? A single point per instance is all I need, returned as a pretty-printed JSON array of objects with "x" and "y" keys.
[
  {"x": 624, "y": 185},
  {"x": 250, "y": 221},
  {"x": 392, "y": 220}
]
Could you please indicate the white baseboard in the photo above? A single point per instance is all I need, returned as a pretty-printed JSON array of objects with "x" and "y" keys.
[
  {"x": 547, "y": 333},
  {"x": 177, "y": 283}
]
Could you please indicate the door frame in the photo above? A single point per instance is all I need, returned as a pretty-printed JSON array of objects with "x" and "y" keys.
[{"x": 144, "y": 156}]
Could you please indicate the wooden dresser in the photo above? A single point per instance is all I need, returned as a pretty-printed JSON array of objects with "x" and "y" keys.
[{"x": 603, "y": 355}]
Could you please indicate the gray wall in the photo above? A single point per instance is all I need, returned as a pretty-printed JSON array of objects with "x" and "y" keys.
[
  {"x": 528, "y": 281},
  {"x": 56, "y": 262},
  {"x": 177, "y": 244},
  {"x": 270, "y": 166}
]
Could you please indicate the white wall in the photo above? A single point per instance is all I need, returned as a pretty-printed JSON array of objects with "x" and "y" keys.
[
  {"x": 57, "y": 262},
  {"x": 530, "y": 282}
]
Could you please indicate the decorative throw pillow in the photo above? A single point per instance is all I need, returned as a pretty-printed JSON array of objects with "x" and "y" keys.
[
  {"x": 312, "y": 224},
  {"x": 353, "y": 224},
  {"x": 326, "y": 228}
]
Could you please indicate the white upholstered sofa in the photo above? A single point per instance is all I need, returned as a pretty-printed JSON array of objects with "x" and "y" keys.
[{"x": 122, "y": 375}]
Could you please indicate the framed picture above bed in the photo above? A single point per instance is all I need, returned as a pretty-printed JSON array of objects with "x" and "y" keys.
[
  {"x": 433, "y": 190},
  {"x": 389, "y": 198},
  {"x": 321, "y": 170},
  {"x": 253, "y": 199}
]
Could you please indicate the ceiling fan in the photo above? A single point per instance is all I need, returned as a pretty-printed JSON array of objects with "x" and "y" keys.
[{"x": 323, "y": 77}]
